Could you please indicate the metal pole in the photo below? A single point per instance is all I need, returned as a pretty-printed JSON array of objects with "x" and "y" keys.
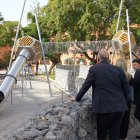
[
  {"x": 29, "y": 77},
  {"x": 62, "y": 96},
  {"x": 17, "y": 32},
  {"x": 38, "y": 29},
  {"x": 11, "y": 97},
  {"x": 22, "y": 84},
  {"x": 74, "y": 65},
  {"x": 129, "y": 41},
  {"x": 119, "y": 16}
]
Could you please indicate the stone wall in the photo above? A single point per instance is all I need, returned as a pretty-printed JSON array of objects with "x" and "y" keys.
[
  {"x": 62, "y": 121},
  {"x": 71, "y": 77},
  {"x": 66, "y": 74},
  {"x": 83, "y": 71}
]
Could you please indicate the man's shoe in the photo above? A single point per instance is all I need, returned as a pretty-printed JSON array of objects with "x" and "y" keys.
[{"x": 137, "y": 137}]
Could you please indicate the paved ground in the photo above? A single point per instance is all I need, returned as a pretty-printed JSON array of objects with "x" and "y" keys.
[{"x": 25, "y": 107}]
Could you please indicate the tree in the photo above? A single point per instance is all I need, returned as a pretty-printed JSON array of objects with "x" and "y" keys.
[
  {"x": 55, "y": 59},
  {"x": 5, "y": 61},
  {"x": 30, "y": 30},
  {"x": 78, "y": 18},
  {"x": 85, "y": 20},
  {"x": 7, "y": 32},
  {"x": 1, "y": 17}
]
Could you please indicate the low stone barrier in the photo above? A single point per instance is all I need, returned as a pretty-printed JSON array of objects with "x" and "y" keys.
[
  {"x": 62, "y": 121},
  {"x": 66, "y": 74},
  {"x": 71, "y": 77}
]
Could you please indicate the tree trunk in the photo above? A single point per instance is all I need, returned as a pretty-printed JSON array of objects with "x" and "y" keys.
[{"x": 51, "y": 68}]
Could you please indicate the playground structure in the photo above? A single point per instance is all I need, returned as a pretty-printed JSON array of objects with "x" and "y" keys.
[
  {"x": 123, "y": 46},
  {"x": 28, "y": 48},
  {"x": 121, "y": 38},
  {"x": 31, "y": 49}
]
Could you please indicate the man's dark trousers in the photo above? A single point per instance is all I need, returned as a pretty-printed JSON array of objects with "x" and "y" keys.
[{"x": 111, "y": 122}]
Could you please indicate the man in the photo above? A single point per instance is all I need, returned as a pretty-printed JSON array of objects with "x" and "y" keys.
[
  {"x": 109, "y": 95},
  {"x": 136, "y": 66}
]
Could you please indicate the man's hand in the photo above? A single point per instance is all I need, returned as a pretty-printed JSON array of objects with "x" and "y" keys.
[{"x": 72, "y": 98}]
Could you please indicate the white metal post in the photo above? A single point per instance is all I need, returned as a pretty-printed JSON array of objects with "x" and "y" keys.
[
  {"x": 38, "y": 29},
  {"x": 119, "y": 16},
  {"x": 129, "y": 41},
  {"x": 16, "y": 37}
]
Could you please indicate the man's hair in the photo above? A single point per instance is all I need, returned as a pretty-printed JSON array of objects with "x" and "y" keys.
[
  {"x": 103, "y": 54},
  {"x": 136, "y": 61}
]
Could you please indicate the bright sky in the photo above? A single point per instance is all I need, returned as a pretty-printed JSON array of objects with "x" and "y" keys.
[{"x": 11, "y": 9}]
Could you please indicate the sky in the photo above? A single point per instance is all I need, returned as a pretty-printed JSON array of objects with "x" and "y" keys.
[{"x": 11, "y": 9}]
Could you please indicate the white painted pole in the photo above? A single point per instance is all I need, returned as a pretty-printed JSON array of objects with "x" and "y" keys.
[
  {"x": 119, "y": 16},
  {"x": 129, "y": 41},
  {"x": 16, "y": 37},
  {"x": 113, "y": 47},
  {"x": 38, "y": 29}
]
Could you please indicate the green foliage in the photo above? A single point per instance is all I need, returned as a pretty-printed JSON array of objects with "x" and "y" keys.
[
  {"x": 5, "y": 61},
  {"x": 79, "y": 18},
  {"x": 1, "y": 17},
  {"x": 82, "y": 19},
  {"x": 7, "y": 33},
  {"x": 30, "y": 30},
  {"x": 52, "y": 76},
  {"x": 30, "y": 17},
  {"x": 138, "y": 32}
]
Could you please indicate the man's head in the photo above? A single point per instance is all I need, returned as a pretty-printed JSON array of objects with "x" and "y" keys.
[
  {"x": 103, "y": 55},
  {"x": 136, "y": 64}
]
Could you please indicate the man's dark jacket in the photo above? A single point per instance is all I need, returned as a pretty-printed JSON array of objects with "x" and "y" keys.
[
  {"x": 137, "y": 87},
  {"x": 110, "y": 88}
]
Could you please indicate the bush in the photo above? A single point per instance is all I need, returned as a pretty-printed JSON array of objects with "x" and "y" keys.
[{"x": 5, "y": 61}]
